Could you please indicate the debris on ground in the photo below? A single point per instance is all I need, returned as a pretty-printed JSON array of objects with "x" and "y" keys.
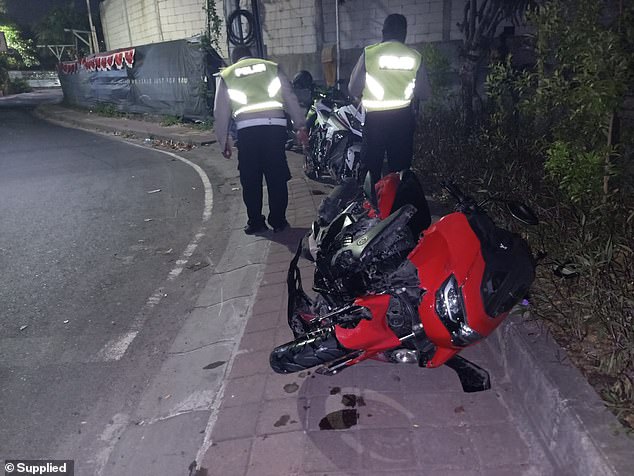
[
  {"x": 198, "y": 265},
  {"x": 172, "y": 144}
]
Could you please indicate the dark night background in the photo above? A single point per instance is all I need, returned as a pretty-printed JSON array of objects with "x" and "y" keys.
[{"x": 26, "y": 13}]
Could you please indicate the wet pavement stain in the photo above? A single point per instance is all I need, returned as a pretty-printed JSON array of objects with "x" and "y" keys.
[
  {"x": 350, "y": 400},
  {"x": 291, "y": 387},
  {"x": 214, "y": 365},
  {"x": 335, "y": 390},
  {"x": 283, "y": 420},
  {"x": 339, "y": 420}
]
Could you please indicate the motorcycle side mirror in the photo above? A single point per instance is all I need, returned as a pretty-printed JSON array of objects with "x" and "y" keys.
[{"x": 522, "y": 212}]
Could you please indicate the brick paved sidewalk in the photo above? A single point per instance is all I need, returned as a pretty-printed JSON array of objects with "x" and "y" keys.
[{"x": 371, "y": 419}]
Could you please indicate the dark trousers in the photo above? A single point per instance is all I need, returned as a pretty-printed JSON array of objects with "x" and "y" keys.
[
  {"x": 261, "y": 153},
  {"x": 390, "y": 132}
]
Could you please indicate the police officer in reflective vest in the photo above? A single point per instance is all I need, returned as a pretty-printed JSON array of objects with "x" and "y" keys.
[
  {"x": 390, "y": 79},
  {"x": 256, "y": 94}
]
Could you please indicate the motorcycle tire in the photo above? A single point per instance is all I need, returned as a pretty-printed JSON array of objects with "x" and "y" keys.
[
  {"x": 309, "y": 168},
  {"x": 306, "y": 352}
]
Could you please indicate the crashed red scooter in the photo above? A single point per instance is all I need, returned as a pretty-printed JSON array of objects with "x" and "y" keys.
[{"x": 391, "y": 287}]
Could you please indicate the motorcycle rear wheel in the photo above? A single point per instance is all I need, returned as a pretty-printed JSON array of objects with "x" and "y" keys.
[
  {"x": 306, "y": 352},
  {"x": 309, "y": 168}
]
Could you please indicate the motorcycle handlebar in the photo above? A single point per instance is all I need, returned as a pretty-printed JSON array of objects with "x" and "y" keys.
[
  {"x": 465, "y": 202},
  {"x": 454, "y": 191}
]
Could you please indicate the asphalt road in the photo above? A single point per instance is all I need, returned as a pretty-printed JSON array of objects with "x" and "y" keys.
[{"x": 87, "y": 245}]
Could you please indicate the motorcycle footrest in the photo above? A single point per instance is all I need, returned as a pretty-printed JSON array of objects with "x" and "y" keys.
[
  {"x": 336, "y": 366},
  {"x": 472, "y": 377}
]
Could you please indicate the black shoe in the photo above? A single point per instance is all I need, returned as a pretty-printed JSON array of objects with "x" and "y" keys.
[
  {"x": 253, "y": 229},
  {"x": 282, "y": 227}
]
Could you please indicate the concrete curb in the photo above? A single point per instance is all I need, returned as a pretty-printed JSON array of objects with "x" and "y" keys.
[
  {"x": 561, "y": 406},
  {"x": 129, "y": 128}
]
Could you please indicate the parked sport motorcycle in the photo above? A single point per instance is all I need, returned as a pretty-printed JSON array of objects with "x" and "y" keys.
[
  {"x": 391, "y": 288},
  {"x": 334, "y": 138}
]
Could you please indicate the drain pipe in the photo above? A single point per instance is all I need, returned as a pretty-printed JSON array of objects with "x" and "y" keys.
[{"x": 337, "y": 85}]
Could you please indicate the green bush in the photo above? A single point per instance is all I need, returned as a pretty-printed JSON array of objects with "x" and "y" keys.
[
  {"x": 17, "y": 86},
  {"x": 547, "y": 138},
  {"x": 107, "y": 109}
]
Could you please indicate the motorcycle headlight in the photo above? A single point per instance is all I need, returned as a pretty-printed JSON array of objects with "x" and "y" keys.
[{"x": 450, "y": 308}]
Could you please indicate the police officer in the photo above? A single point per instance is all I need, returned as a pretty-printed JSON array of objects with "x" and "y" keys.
[
  {"x": 256, "y": 93},
  {"x": 390, "y": 78}
]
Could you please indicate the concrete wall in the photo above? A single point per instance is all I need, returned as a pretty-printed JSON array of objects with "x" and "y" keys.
[
  {"x": 290, "y": 27},
  {"x": 294, "y": 31},
  {"x": 140, "y": 22}
]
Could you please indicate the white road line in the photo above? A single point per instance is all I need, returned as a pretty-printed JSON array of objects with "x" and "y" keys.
[{"x": 116, "y": 348}]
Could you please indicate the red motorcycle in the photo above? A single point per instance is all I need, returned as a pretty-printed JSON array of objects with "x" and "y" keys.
[{"x": 391, "y": 287}]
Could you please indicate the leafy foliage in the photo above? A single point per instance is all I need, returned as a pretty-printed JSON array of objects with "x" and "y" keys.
[
  {"x": 583, "y": 73},
  {"x": 439, "y": 70},
  {"x": 24, "y": 55},
  {"x": 481, "y": 19},
  {"x": 50, "y": 30},
  {"x": 547, "y": 138},
  {"x": 214, "y": 24}
]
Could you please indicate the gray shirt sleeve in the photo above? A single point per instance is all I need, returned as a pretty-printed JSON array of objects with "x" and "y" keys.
[
  {"x": 291, "y": 104},
  {"x": 222, "y": 112},
  {"x": 357, "y": 78}
]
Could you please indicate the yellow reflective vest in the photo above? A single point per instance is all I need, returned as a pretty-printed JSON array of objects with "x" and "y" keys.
[
  {"x": 390, "y": 76},
  {"x": 253, "y": 85}
]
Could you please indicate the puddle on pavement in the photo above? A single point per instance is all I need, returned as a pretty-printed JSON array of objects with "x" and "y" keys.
[
  {"x": 335, "y": 390},
  {"x": 283, "y": 420},
  {"x": 350, "y": 400},
  {"x": 214, "y": 365},
  {"x": 339, "y": 420},
  {"x": 291, "y": 387}
]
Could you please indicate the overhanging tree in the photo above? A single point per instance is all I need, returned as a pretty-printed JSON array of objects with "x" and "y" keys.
[{"x": 481, "y": 19}]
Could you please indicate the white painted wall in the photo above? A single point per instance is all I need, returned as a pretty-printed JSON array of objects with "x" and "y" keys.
[
  {"x": 139, "y": 22},
  {"x": 289, "y": 26}
]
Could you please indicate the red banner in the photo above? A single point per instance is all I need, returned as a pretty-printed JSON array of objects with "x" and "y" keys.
[{"x": 100, "y": 62}]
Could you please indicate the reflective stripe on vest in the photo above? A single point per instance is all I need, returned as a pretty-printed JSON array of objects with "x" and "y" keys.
[
  {"x": 390, "y": 76},
  {"x": 253, "y": 86}
]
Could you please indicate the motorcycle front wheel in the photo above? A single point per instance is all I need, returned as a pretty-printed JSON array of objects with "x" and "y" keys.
[
  {"x": 310, "y": 155},
  {"x": 306, "y": 352},
  {"x": 309, "y": 167}
]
